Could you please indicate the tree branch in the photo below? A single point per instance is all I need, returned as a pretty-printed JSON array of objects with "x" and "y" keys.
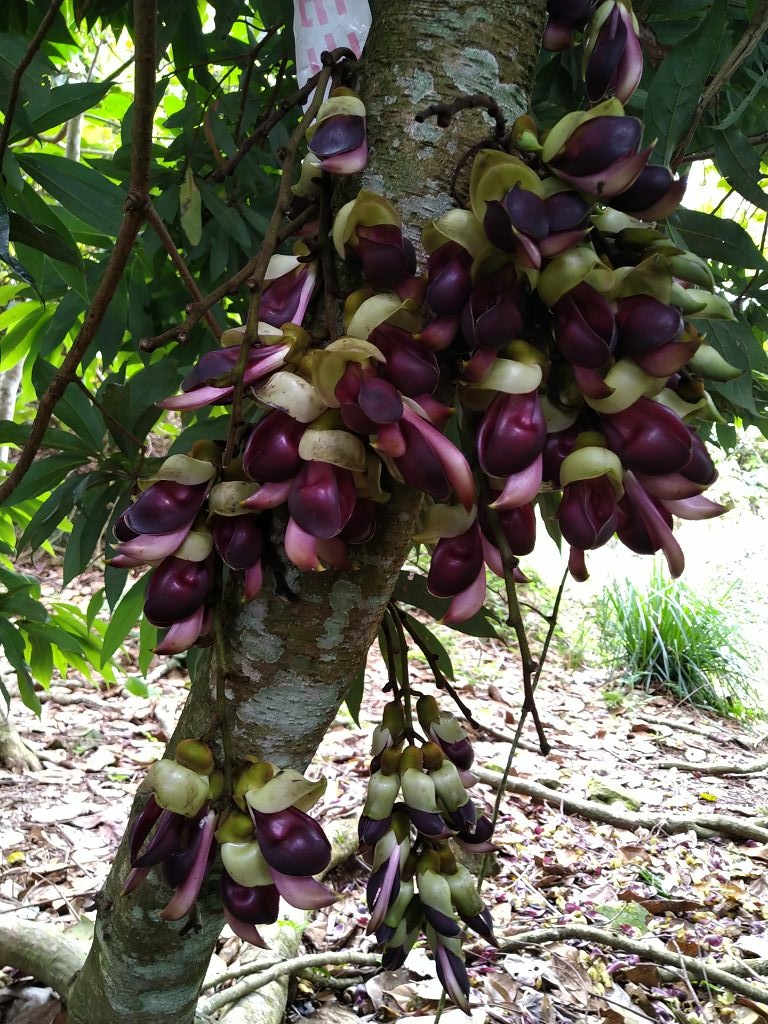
[
  {"x": 145, "y": 16},
  {"x": 196, "y": 310},
  {"x": 745, "y": 45},
  {"x": 263, "y": 129},
  {"x": 26, "y": 60},
  {"x": 704, "y": 825},
  {"x": 697, "y": 968},
  {"x": 178, "y": 261}
]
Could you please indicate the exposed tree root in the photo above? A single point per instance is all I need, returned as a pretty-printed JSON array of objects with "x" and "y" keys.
[
  {"x": 42, "y": 951},
  {"x": 704, "y": 825},
  {"x": 15, "y": 755},
  {"x": 711, "y": 732},
  {"x": 268, "y": 972},
  {"x": 691, "y": 965},
  {"x": 717, "y": 768}
]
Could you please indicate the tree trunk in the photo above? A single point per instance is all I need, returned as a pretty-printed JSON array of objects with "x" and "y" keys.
[{"x": 287, "y": 664}]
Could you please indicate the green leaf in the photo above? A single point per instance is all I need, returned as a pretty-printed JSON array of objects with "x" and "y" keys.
[
  {"x": 94, "y": 607},
  {"x": 354, "y": 697},
  {"x": 124, "y": 617},
  {"x": 18, "y": 433},
  {"x": 73, "y": 408},
  {"x": 87, "y": 194},
  {"x": 95, "y": 510},
  {"x": 735, "y": 341},
  {"x": 228, "y": 220},
  {"x": 411, "y": 588},
  {"x": 61, "y": 104},
  {"x": 46, "y": 520},
  {"x": 13, "y": 644},
  {"x": 43, "y": 476},
  {"x": 430, "y": 644},
  {"x": 5, "y": 256},
  {"x": 44, "y": 240},
  {"x": 148, "y": 635},
  {"x": 739, "y": 164},
  {"x": 679, "y": 82},
  {"x": 715, "y": 238},
  {"x": 190, "y": 208}
]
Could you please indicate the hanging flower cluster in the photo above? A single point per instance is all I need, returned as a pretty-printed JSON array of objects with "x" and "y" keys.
[
  {"x": 417, "y": 800},
  {"x": 560, "y": 314},
  {"x": 269, "y": 845}
]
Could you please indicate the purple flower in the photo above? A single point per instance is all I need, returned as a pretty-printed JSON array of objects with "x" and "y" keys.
[{"x": 613, "y": 56}]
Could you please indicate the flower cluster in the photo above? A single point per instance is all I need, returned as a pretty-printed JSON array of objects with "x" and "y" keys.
[
  {"x": 270, "y": 847},
  {"x": 416, "y": 883}
]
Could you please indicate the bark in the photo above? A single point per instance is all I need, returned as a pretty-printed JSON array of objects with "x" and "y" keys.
[{"x": 286, "y": 665}]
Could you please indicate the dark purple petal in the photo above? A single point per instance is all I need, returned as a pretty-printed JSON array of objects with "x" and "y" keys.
[
  {"x": 455, "y": 563},
  {"x": 511, "y": 435},
  {"x": 258, "y": 904},
  {"x": 361, "y": 525},
  {"x": 450, "y": 283},
  {"x": 339, "y": 133},
  {"x": 598, "y": 143},
  {"x": 566, "y": 211},
  {"x": 387, "y": 256},
  {"x": 645, "y": 323},
  {"x": 648, "y": 437},
  {"x": 292, "y": 842},
  {"x": 177, "y": 589},
  {"x": 322, "y": 498},
  {"x": 587, "y": 514},
  {"x": 272, "y": 450},
  {"x": 410, "y": 366},
  {"x": 603, "y": 62},
  {"x": 238, "y": 540},
  {"x": 585, "y": 327},
  {"x": 165, "y": 506}
]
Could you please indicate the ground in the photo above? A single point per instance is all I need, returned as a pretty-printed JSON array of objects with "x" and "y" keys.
[{"x": 706, "y": 898}]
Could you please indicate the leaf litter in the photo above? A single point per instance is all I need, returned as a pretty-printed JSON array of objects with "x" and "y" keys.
[{"x": 60, "y": 826}]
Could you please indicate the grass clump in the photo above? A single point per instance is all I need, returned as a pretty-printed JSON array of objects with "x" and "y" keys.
[{"x": 665, "y": 636}]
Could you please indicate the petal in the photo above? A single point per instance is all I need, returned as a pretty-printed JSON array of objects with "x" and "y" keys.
[{"x": 302, "y": 891}]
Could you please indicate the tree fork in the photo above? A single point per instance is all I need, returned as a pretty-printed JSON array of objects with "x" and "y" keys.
[{"x": 288, "y": 666}]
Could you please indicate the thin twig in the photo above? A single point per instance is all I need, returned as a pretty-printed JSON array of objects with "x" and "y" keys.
[
  {"x": 246, "y": 83},
  {"x": 29, "y": 55},
  {"x": 145, "y": 16},
  {"x": 718, "y": 768},
  {"x": 704, "y": 825},
  {"x": 325, "y": 244},
  {"x": 745, "y": 45},
  {"x": 108, "y": 417},
  {"x": 599, "y": 936},
  {"x": 179, "y": 262},
  {"x": 293, "y": 966},
  {"x": 441, "y": 681},
  {"x": 265, "y": 127},
  {"x": 196, "y": 310},
  {"x": 444, "y": 113}
]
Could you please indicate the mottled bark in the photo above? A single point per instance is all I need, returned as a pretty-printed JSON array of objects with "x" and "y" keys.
[{"x": 287, "y": 664}]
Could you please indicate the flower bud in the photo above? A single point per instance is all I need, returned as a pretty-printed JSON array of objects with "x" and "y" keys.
[
  {"x": 613, "y": 56},
  {"x": 511, "y": 434},
  {"x": 338, "y": 136}
]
